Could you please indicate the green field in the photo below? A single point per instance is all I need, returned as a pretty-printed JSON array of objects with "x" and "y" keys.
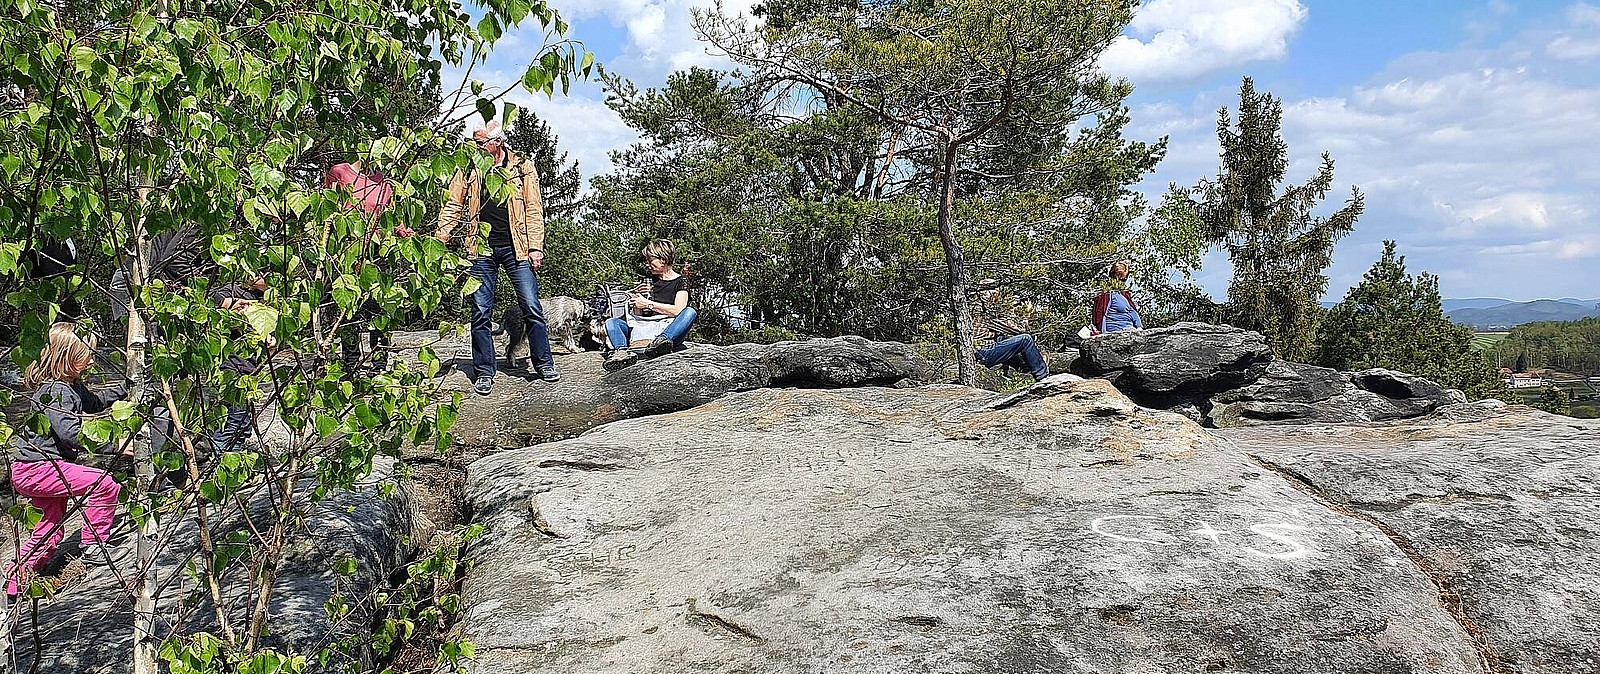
[{"x": 1483, "y": 341}]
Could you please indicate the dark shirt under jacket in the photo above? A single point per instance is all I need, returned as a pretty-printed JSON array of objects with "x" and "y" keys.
[
  {"x": 65, "y": 405},
  {"x": 494, "y": 212}
]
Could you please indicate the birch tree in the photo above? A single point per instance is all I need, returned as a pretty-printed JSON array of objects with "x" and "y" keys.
[{"x": 125, "y": 119}]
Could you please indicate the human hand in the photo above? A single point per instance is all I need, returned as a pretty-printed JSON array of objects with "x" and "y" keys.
[
  {"x": 535, "y": 258},
  {"x": 640, "y": 302},
  {"x": 443, "y": 236}
]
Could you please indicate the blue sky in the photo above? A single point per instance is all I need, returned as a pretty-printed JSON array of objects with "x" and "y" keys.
[{"x": 1472, "y": 126}]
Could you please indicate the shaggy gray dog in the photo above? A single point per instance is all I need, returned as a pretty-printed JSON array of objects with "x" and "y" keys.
[{"x": 571, "y": 323}]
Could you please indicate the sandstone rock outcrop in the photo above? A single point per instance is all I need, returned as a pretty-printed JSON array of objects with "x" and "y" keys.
[
  {"x": 88, "y": 629},
  {"x": 1498, "y": 504},
  {"x": 1298, "y": 393},
  {"x": 945, "y": 529},
  {"x": 1224, "y": 377},
  {"x": 521, "y": 413},
  {"x": 1181, "y": 360}
]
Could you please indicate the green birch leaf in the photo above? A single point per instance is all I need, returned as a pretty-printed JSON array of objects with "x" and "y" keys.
[
  {"x": 98, "y": 431},
  {"x": 489, "y": 28},
  {"x": 262, "y": 318},
  {"x": 187, "y": 29}
]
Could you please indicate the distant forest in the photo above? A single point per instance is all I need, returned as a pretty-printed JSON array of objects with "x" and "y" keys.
[{"x": 1568, "y": 346}]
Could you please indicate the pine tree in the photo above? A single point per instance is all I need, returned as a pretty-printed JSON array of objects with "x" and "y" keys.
[
  {"x": 1279, "y": 249},
  {"x": 1394, "y": 320}
]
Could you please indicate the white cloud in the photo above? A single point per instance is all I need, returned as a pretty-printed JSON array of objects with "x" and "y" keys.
[
  {"x": 660, "y": 35},
  {"x": 1561, "y": 249},
  {"x": 1584, "y": 14},
  {"x": 658, "y": 39},
  {"x": 1582, "y": 43},
  {"x": 1480, "y": 162},
  {"x": 587, "y": 129},
  {"x": 1182, "y": 39}
]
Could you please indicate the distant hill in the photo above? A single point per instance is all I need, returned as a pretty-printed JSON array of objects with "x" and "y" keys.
[
  {"x": 1516, "y": 313},
  {"x": 1473, "y": 303}
]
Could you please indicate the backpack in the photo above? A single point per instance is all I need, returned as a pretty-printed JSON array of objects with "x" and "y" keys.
[
  {"x": 608, "y": 302},
  {"x": 175, "y": 255}
]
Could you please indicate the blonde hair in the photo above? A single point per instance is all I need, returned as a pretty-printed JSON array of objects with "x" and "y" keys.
[
  {"x": 662, "y": 249},
  {"x": 65, "y": 357}
]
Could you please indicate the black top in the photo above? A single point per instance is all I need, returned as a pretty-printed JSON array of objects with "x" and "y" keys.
[
  {"x": 666, "y": 292},
  {"x": 175, "y": 254},
  {"x": 51, "y": 258},
  {"x": 65, "y": 405},
  {"x": 494, "y": 212}
]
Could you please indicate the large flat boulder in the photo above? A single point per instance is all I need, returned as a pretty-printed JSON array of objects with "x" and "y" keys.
[
  {"x": 1498, "y": 504},
  {"x": 1186, "y": 359},
  {"x": 521, "y": 411},
  {"x": 1060, "y": 528}
]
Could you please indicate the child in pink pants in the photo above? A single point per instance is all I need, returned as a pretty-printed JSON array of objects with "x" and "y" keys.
[{"x": 44, "y": 469}]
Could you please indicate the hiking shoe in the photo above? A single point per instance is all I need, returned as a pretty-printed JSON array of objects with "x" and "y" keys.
[
  {"x": 619, "y": 359},
  {"x": 548, "y": 374},
  {"x": 104, "y": 554},
  {"x": 658, "y": 347},
  {"x": 484, "y": 385}
]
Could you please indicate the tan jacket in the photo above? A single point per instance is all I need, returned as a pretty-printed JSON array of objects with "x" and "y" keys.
[{"x": 526, "y": 209}]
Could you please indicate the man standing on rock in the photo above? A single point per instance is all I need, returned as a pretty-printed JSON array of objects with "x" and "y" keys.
[{"x": 507, "y": 200}]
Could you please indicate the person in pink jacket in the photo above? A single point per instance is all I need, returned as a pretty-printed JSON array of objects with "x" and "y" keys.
[
  {"x": 46, "y": 469},
  {"x": 370, "y": 193}
]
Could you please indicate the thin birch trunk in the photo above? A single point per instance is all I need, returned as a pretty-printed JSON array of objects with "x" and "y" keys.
[{"x": 144, "y": 604}]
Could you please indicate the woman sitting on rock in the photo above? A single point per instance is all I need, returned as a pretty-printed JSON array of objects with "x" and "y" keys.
[
  {"x": 664, "y": 298},
  {"x": 1114, "y": 310},
  {"x": 45, "y": 468}
]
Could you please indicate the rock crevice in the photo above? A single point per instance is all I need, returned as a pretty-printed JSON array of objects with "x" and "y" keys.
[{"x": 1449, "y": 597}]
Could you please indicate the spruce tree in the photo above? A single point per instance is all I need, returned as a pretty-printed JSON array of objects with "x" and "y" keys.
[
  {"x": 1394, "y": 320},
  {"x": 1554, "y": 399},
  {"x": 1280, "y": 250}
]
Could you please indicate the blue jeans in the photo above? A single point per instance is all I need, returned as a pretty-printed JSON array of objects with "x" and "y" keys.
[
  {"x": 1019, "y": 352},
  {"x": 486, "y": 269},
  {"x": 234, "y": 430},
  {"x": 617, "y": 329}
]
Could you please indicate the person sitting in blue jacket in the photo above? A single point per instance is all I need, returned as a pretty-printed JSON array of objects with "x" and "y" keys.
[{"x": 1114, "y": 311}]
